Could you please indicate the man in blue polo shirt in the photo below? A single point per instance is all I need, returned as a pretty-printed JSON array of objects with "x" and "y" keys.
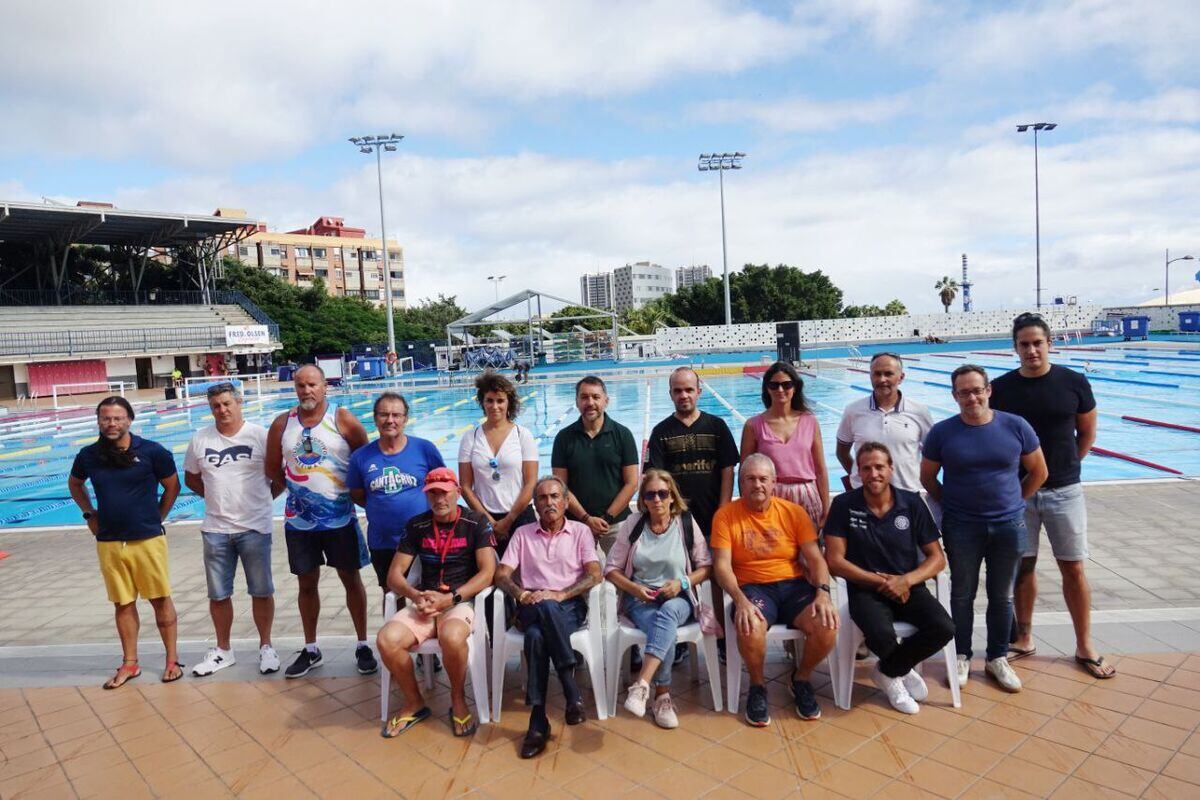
[
  {"x": 126, "y": 472},
  {"x": 882, "y": 540},
  {"x": 597, "y": 459}
]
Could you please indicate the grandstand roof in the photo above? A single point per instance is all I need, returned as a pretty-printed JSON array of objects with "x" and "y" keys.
[{"x": 90, "y": 224}]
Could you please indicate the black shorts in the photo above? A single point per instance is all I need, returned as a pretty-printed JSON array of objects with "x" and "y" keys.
[
  {"x": 524, "y": 518},
  {"x": 340, "y": 548},
  {"x": 781, "y": 601},
  {"x": 381, "y": 560}
]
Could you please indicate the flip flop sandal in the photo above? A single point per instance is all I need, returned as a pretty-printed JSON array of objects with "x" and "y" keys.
[
  {"x": 1095, "y": 667},
  {"x": 116, "y": 681},
  {"x": 174, "y": 665},
  {"x": 1017, "y": 653},
  {"x": 398, "y": 725},
  {"x": 468, "y": 724}
]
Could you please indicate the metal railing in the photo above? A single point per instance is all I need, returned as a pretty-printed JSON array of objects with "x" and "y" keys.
[{"x": 116, "y": 340}]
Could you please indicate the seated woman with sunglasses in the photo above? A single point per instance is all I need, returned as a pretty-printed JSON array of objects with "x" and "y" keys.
[
  {"x": 788, "y": 434},
  {"x": 498, "y": 461},
  {"x": 656, "y": 565}
]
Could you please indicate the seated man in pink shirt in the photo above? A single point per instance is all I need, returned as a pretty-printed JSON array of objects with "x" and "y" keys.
[{"x": 557, "y": 564}]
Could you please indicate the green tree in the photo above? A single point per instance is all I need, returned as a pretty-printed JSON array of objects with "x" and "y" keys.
[
  {"x": 429, "y": 318},
  {"x": 650, "y": 317},
  {"x": 895, "y": 309},
  {"x": 594, "y": 324},
  {"x": 760, "y": 293},
  {"x": 947, "y": 289}
]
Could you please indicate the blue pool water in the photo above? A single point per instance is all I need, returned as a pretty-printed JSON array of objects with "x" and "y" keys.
[{"x": 1160, "y": 384}]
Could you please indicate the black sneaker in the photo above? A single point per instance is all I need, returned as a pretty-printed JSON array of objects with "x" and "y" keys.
[
  {"x": 303, "y": 663},
  {"x": 806, "y": 700},
  {"x": 681, "y": 654},
  {"x": 367, "y": 665},
  {"x": 758, "y": 713}
]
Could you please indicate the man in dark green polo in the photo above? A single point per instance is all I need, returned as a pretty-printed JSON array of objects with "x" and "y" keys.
[{"x": 598, "y": 460}]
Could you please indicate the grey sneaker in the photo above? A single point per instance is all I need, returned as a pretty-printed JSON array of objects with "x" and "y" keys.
[
  {"x": 1003, "y": 673},
  {"x": 636, "y": 697},
  {"x": 664, "y": 712}
]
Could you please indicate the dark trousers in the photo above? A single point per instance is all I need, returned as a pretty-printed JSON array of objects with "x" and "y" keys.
[
  {"x": 874, "y": 615},
  {"x": 548, "y": 626},
  {"x": 510, "y": 606}
]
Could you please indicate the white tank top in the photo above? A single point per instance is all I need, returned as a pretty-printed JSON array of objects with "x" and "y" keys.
[{"x": 315, "y": 461}]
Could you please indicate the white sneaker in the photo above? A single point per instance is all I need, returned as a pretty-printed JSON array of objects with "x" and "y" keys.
[
  {"x": 1004, "y": 674},
  {"x": 664, "y": 712},
  {"x": 964, "y": 669},
  {"x": 636, "y": 697},
  {"x": 215, "y": 659},
  {"x": 897, "y": 695},
  {"x": 915, "y": 685},
  {"x": 268, "y": 660}
]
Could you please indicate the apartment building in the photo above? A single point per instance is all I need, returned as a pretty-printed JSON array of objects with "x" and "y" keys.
[
  {"x": 342, "y": 257},
  {"x": 686, "y": 277},
  {"x": 636, "y": 284},
  {"x": 596, "y": 290}
]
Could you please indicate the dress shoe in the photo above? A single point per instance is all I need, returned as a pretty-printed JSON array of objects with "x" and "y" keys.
[
  {"x": 575, "y": 714},
  {"x": 535, "y": 742}
]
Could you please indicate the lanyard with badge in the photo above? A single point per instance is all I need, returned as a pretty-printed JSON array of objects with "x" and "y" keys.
[{"x": 442, "y": 548}]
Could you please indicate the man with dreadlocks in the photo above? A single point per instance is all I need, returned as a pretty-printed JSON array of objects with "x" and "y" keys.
[{"x": 126, "y": 472}]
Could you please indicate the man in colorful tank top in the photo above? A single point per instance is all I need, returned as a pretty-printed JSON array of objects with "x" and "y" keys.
[{"x": 309, "y": 449}]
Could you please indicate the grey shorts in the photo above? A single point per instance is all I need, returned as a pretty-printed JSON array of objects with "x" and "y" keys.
[{"x": 1063, "y": 513}]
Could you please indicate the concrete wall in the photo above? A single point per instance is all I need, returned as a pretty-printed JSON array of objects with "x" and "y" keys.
[
  {"x": 1161, "y": 317},
  {"x": 761, "y": 335}
]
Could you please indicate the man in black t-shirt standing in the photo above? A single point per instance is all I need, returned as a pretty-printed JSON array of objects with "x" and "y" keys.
[
  {"x": 699, "y": 451},
  {"x": 456, "y": 549},
  {"x": 1058, "y": 403}
]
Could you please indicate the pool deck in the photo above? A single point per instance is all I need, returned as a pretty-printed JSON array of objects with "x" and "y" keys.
[{"x": 241, "y": 734}]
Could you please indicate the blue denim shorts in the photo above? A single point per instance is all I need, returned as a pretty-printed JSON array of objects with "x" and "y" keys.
[{"x": 221, "y": 554}]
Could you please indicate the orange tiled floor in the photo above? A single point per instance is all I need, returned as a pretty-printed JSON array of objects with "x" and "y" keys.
[{"x": 1064, "y": 736}]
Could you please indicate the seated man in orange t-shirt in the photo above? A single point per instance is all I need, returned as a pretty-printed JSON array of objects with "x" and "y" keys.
[{"x": 766, "y": 558}]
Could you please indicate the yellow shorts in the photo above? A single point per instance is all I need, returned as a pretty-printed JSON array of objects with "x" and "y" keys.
[{"x": 133, "y": 569}]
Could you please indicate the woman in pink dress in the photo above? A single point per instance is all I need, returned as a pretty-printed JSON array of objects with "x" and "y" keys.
[{"x": 788, "y": 433}]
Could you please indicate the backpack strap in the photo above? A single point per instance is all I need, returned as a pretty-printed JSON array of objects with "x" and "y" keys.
[
  {"x": 638, "y": 527},
  {"x": 685, "y": 519}
]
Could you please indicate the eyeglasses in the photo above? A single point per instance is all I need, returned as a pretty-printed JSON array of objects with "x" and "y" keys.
[
  {"x": 656, "y": 494},
  {"x": 495, "y": 465},
  {"x": 785, "y": 386},
  {"x": 965, "y": 393}
]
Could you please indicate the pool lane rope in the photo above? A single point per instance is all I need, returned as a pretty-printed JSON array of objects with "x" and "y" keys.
[
  {"x": 1100, "y": 451},
  {"x": 1160, "y": 424}
]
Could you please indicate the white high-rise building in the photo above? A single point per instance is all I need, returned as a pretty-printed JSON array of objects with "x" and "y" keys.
[
  {"x": 686, "y": 277},
  {"x": 634, "y": 285},
  {"x": 596, "y": 290}
]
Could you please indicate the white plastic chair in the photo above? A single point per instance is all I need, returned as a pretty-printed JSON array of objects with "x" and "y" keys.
[
  {"x": 849, "y": 637},
  {"x": 588, "y": 641},
  {"x": 775, "y": 633},
  {"x": 477, "y": 649},
  {"x": 621, "y": 634}
]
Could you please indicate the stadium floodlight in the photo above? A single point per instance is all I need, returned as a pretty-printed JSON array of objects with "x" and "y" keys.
[
  {"x": 719, "y": 162},
  {"x": 1167, "y": 274},
  {"x": 1037, "y": 209},
  {"x": 377, "y": 145}
]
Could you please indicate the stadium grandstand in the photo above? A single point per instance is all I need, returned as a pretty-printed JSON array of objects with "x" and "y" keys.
[{"x": 79, "y": 314}]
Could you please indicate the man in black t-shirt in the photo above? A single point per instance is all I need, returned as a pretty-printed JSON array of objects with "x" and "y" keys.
[
  {"x": 883, "y": 541},
  {"x": 699, "y": 451},
  {"x": 456, "y": 549},
  {"x": 1058, "y": 403}
]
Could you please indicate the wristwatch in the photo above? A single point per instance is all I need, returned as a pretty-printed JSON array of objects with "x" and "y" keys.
[
  {"x": 456, "y": 598},
  {"x": 684, "y": 583},
  {"x": 824, "y": 587}
]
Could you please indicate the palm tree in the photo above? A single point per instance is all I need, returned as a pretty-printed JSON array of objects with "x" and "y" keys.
[{"x": 947, "y": 289}]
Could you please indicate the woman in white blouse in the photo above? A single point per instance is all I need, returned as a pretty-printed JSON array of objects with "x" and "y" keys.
[{"x": 498, "y": 460}]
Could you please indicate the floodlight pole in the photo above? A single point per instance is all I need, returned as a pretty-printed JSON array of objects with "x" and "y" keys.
[
  {"x": 377, "y": 144},
  {"x": 721, "y": 162},
  {"x": 1037, "y": 214},
  {"x": 1167, "y": 275}
]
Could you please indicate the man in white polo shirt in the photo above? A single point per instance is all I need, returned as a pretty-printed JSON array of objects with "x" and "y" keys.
[{"x": 885, "y": 416}]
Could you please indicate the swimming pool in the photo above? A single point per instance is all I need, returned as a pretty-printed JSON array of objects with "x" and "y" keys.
[{"x": 1160, "y": 384}]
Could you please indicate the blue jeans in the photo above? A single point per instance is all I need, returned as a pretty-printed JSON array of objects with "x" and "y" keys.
[
  {"x": 968, "y": 545},
  {"x": 221, "y": 554},
  {"x": 660, "y": 622}
]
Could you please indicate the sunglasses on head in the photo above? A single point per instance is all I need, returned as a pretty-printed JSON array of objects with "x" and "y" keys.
[
  {"x": 656, "y": 494},
  {"x": 495, "y": 465},
  {"x": 781, "y": 385}
]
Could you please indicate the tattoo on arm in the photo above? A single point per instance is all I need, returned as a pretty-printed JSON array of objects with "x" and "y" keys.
[{"x": 508, "y": 585}]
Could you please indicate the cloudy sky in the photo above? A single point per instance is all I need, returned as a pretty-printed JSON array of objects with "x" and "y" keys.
[{"x": 544, "y": 140}]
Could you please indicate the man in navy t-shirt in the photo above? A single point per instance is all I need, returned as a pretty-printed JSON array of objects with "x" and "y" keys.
[
  {"x": 882, "y": 540},
  {"x": 126, "y": 472},
  {"x": 982, "y": 455},
  {"x": 386, "y": 478}
]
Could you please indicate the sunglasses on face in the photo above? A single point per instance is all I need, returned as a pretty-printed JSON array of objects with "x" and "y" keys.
[
  {"x": 785, "y": 386},
  {"x": 656, "y": 494},
  {"x": 495, "y": 465}
]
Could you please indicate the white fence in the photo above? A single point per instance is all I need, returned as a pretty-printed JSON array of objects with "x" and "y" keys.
[{"x": 89, "y": 387}]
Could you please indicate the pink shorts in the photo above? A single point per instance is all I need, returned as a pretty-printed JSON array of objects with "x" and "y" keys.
[{"x": 424, "y": 627}]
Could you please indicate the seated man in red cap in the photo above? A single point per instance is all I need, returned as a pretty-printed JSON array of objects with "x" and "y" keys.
[{"x": 456, "y": 548}]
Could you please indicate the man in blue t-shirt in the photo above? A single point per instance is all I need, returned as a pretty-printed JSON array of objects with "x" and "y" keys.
[
  {"x": 992, "y": 463},
  {"x": 126, "y": 472},
  {"x": 386, "y": 478}
]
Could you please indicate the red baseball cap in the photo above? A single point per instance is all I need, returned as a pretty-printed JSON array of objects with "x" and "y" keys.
[{"x": 442, "y": 478}]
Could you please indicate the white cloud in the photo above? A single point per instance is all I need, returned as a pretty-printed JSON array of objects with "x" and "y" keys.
[{"x": 801, "y": 114}]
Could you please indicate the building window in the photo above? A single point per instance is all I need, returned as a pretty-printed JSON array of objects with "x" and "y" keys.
[
  {"x": 398, "y": 293},
  {"x": 283, "y": 250},
  {"x": 301, "y": 252},
  {"x": 318, "y": 252},
  {"x": 396, "y": 275},
  {"x": 243, "y": 251},
  {"x": 322, "y": 273},
  {"x": 368, "y": 255},
  {"x": 275, "y": 252},
  {"x": 393, "y": 255}
]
